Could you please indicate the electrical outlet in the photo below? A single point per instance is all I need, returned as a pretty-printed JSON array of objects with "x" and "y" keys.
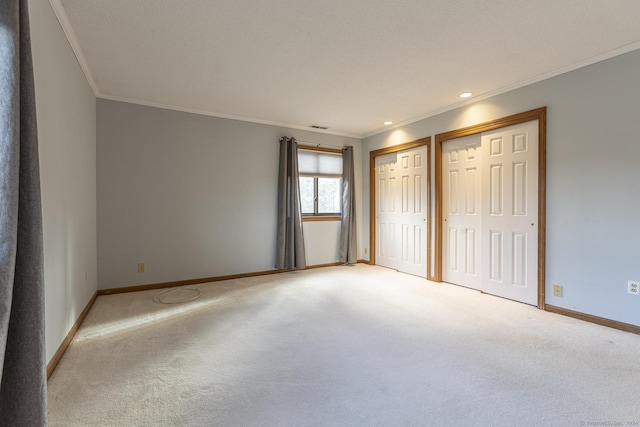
[
  {"x": 557, "y": 291},
  {"x": 141, "y": 267},
  {"x": 366, "y": 251},
  {"x": 633, "y": 287}
]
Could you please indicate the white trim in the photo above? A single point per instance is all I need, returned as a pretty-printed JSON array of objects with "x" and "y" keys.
[
  {"x": 222, "y": 116},
  {"x": 576, "y": 65},
  {"x": 63, "y": 20}
]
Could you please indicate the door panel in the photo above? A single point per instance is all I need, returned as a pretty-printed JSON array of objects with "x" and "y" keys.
[
  {"x": 386, "y": 210},
  {"x": 461, "y": 211},
  {"x": 413, "y": 214},
  {"x": 495, "y": 256},
  {"x": 515, "y": 190}
]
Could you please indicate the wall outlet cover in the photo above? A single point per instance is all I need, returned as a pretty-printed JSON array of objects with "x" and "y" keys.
[
  {"x": 557, "y": 291},
  {"x": 633, "y": 287}
]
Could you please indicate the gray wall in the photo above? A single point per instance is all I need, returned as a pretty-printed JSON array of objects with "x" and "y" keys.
[
  {"x": 593, "y": 192},
  {"x": 66, "y": 112},
  {"x": 192, "y": 196}
]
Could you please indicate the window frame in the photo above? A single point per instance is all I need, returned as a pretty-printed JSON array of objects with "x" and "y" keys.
[{"x": 315, "y": 216}]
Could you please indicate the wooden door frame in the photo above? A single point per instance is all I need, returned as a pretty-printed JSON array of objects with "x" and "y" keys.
[
  {"x": 539, "y": 114},
  {"x": 372, "y": 194}
]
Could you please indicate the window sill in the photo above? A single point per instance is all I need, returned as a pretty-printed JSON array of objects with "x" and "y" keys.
[{"x": 321, "y": 218}]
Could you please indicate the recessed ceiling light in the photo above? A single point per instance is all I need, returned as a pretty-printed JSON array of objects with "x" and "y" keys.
[
  {"x": 388, "y": 123},
  {"x": 465, "y": 94}
]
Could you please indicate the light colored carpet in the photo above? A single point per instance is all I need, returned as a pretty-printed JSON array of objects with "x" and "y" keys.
[{"x": 342, "y": 346}]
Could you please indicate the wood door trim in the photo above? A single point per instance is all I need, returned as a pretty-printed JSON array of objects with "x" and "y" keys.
[
  {"x": 539, "y": 114},
  {"x": 372, "y": 194}
]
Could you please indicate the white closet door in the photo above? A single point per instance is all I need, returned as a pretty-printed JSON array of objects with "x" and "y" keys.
[
  {"x": 401, "y": 211},
  {"x": 462, "y": 203},
  {"x": 510, "y": 220},
  {"x": 490, "y": 212}
]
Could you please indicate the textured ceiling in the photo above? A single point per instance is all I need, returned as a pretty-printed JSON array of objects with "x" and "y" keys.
[{"x": 348, "y": 65}]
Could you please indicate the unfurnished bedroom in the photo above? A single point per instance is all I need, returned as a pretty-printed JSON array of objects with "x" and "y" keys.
[{"x": 306, "y": 213}]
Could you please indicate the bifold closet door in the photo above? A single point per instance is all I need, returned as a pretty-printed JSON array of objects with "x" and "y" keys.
[
  {"x": 401, "y": 211},
  {"x": 490, "y": 212}
]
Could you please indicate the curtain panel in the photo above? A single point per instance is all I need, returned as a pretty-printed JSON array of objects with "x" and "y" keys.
[
  {"x": 22, "y": 340},
  {"x": 348, "y": 232},
  {"x": 290, "y": 252}
]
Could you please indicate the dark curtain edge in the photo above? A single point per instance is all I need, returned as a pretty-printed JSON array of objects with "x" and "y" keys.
[{"x": 23, "y": 383}]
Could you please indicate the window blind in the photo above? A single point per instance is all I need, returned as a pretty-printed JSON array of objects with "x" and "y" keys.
[{"x": 319, "y": 163}]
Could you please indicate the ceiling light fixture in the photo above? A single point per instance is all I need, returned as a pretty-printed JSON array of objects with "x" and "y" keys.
[
  {"x": 465, "y": 94},
  {"x": 388, "y": 123}
]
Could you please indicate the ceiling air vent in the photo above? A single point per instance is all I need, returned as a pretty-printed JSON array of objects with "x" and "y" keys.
[{"x": 318, "y": 127}]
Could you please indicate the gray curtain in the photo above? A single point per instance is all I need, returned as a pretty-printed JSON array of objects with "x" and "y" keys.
[
  {"x": 290, "y": 252},
  {"x": 22, "y": 341},
  {"x": 348, "y": 238}
]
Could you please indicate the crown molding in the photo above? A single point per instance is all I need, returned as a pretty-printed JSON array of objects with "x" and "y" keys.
[
  {"x": 576, "y": 65},
  {"x": 63, "y": 20},
  {"x": 222, "y": 116}
]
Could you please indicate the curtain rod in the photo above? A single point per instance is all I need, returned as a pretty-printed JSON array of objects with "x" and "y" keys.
[{"x": 318, "y": 144}]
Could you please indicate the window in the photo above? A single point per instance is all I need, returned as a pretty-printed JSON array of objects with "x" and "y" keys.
[{"x": 320, "y": 182}]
